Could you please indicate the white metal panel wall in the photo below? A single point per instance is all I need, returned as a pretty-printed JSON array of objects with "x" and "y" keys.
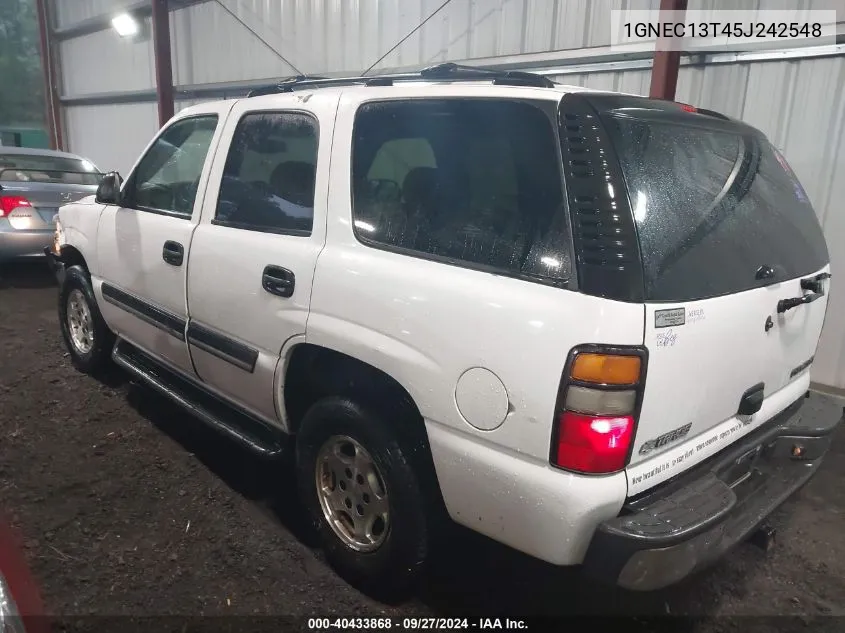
[
  {"x": 631, "y": 81},
  {"x": 104, "y": 62},
  {"x": 765, "y": 5},
  {"x": 111, "y": 136},
  {"x": 340, "y": 35},
  {"x": 72, "y": 11}
]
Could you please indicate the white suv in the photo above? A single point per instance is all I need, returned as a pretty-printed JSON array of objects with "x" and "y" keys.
[{"x": 581, "y": 323}]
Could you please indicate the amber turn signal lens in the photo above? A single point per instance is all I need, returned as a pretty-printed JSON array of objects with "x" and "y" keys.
[{"x": 606, "y": 369}]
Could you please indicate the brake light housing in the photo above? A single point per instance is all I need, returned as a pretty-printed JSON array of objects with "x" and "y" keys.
[
  {"x": 598, "y": 405},
  {"x": 10, "y": 203}
]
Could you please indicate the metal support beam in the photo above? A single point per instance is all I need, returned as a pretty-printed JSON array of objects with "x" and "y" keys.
[
  {"x": 163, "y": 61},
  {"x": 52, "y": 105},
  {"x": 664, "y": 72}
]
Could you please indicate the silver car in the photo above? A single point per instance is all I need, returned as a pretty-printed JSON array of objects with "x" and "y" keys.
[{"x": 34, "y": 183}]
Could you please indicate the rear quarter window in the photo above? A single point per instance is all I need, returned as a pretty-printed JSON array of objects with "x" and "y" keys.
[
  {"x": 712, "y": 207},
  {"x": 473, "y": 182}
]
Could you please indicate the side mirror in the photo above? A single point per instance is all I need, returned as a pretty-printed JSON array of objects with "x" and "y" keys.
[{"x": 108, "y": 191}]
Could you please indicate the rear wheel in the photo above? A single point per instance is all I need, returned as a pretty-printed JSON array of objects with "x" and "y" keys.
[
  {"x": 87, "y": 337},
  {"x": 364, "y": 498}
]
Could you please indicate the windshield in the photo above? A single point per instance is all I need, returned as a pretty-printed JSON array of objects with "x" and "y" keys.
[
  {"x": 52, "y": 169},
  {"x": 712, "y": 207}
]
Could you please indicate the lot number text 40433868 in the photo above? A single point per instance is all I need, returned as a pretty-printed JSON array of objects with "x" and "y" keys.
[{"x": 414, "y": 624}]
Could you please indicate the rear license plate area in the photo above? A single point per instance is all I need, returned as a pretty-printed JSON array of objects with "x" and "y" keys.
[{"x": 742, "y": 468}]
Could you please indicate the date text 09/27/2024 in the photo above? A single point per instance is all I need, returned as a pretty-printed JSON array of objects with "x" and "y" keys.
[{"x": 413, "y": 624}]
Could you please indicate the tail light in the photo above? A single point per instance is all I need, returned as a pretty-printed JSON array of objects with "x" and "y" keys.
[
  {"x": 10, "y": 203},
  {"x": 597, "y": 409}
]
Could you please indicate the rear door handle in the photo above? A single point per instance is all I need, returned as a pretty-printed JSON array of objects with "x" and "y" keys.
[
  {"x": 173, "y": 253},
  {"x": 278, "y": 281}
]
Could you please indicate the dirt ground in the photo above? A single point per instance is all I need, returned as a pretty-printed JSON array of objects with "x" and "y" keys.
[{"x": 132, "y": 508}]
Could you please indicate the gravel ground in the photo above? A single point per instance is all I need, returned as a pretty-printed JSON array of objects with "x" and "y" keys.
[{"x": 130, "y": 508}]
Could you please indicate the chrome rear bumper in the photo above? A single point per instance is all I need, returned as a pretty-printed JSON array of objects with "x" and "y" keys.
[{"x": 686, "y": 524}]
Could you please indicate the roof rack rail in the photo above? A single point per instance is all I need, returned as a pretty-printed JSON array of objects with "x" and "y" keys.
[
  {"x": 449, "y": 70},
  {"x": 439, "y": 72}
]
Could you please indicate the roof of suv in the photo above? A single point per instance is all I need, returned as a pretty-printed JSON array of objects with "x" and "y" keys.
[{"x": 439, "y": 80}]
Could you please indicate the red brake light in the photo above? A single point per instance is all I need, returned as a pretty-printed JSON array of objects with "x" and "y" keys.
[
  {"x": 593, "y": 444},
  {"x": 595, "y": 420},
  {"x": 10, "y": 203},
  {"x": 688, "y": 108}
]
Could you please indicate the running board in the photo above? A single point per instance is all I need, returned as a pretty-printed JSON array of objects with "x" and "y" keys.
[{"x": 233, "y": 422}]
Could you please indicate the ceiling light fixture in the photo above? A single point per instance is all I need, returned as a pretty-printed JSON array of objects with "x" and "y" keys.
[{"x": 125, "y": 25}]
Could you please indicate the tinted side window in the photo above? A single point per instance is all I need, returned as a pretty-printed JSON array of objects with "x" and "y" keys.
[
  {"x": 167, "y": 177},
  {"x": 711, "y": 207},
  {"x": 466, "y": 180},
  {"x": 268, "y": 180}
]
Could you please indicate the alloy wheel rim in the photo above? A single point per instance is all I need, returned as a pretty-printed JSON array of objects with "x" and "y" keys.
[
  {"x": 352, "y": 494},
  {"x": 80, "y": 323}
]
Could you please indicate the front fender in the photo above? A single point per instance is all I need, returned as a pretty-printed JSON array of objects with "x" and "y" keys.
[{"x": 79, "y": 224}]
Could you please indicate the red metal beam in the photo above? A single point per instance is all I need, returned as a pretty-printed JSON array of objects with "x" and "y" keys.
[
  {"x": 164, "y": 64},
  {"x": 664, "y": 72},
  {"x": 52, "y": 105}
]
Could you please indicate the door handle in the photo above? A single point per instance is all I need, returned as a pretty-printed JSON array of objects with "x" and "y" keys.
[
  {"x": 173, "y": 253},
  {"x": 278, "y": 281}
]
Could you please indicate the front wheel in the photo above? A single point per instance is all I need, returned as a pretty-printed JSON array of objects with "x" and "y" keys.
[
  {"x": 86, "y": 335},
  {"x": 363, "y": 497}
]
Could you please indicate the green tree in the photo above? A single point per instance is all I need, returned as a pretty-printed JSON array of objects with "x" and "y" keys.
[{"x": 21, "y": 83}]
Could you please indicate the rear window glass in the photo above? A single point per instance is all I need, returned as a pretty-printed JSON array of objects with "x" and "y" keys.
[
  {"x": 54, "y": 169},
  {"x": 711, "y": 208},
  {"x": 470, "y": 181}
]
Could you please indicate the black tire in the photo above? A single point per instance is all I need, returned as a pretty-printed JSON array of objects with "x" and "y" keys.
[
  {"x": 389, "y": 571},
  {"x": 98, "y": 358}
]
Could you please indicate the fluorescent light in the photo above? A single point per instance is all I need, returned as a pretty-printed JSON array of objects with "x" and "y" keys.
[
  {"x": 551, "y": 262},
  {"x": 125, "y": 25},
  {"x": 364, "y": 226}
]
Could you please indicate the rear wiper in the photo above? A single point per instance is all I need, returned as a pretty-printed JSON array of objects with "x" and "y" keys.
[{"x": 810, "y": 283}]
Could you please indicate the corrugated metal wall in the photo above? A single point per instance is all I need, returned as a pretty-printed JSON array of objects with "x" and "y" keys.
[
  {"x": 104, "y": 62},
  {"x": 318, "y": 36},
  {"x": 350, "y": 35},
  {"x": 111, "y": 135},
  {"x": 72, "y": 11},
  {"x": 799, "y": 104}
]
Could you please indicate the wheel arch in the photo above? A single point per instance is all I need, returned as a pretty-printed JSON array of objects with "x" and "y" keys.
[
  {"x": 72, "y": 256},
  {"x": 313, "y": 372}
]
